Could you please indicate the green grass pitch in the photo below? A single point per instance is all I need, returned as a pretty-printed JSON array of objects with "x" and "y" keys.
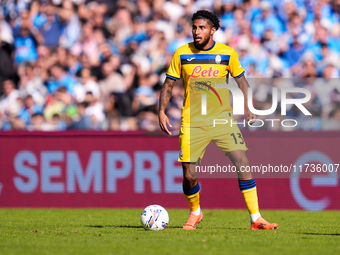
[{"x": 118, "y": 231}]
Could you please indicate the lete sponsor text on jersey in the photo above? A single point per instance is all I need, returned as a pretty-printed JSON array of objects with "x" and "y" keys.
[{"x": 198, "y": 71}]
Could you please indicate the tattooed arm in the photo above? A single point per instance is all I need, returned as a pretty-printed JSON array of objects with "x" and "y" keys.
[{"x": 164, "y": 99}]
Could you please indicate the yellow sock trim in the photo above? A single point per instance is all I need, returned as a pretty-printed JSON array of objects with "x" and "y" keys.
[
  {"x": 250, "y": 197},
  {"x": 193, "y": 201}
]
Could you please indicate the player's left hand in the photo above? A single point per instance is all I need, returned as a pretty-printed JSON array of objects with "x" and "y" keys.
[{"x": 251, "y": 117}]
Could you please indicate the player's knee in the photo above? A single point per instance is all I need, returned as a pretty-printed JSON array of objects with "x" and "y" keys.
[
  {"x": 242, "y": 161},
  {"x": 189, "y": 177}
]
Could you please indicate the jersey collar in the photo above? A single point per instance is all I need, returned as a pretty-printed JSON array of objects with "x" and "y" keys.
[{"x": 212, "y": 46}]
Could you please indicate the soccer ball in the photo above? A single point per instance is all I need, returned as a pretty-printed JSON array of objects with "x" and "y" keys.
[{"x": 154, "y": 217}]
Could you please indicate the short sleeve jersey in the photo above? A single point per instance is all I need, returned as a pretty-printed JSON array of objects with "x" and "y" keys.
[{"x": 201, "y": 70}]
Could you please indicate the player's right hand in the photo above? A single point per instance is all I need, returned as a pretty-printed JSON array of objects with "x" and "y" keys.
[{"x": 163, "y": 120}]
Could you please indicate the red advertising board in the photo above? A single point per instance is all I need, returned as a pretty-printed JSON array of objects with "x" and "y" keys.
[{"x": 72, "y": 169}]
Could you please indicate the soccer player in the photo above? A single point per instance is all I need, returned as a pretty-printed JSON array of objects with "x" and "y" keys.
[{"x": 202, "y": 64}]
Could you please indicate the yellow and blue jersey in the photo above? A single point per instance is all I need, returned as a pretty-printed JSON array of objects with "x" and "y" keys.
[{"x": 201, "y": 70}]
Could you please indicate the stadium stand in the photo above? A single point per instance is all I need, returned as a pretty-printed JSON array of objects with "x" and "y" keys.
[{"x": 100, "y": 64}]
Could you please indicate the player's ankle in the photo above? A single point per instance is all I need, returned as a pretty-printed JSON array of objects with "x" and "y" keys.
[
  {"x": 197, "y": 212},
  {"x": 254, "y": 217}
]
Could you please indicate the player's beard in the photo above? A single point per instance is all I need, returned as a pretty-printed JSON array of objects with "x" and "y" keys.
[{"x": 200, "y": 45}]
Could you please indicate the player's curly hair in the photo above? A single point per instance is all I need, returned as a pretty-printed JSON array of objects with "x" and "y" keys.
[{"x": 203, "y": 14}]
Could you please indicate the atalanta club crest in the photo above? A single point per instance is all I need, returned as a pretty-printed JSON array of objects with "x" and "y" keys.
[{"x": 218, "y": 59}]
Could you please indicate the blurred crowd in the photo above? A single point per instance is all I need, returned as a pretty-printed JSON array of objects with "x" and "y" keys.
[{"x": 100, "y": 64}]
